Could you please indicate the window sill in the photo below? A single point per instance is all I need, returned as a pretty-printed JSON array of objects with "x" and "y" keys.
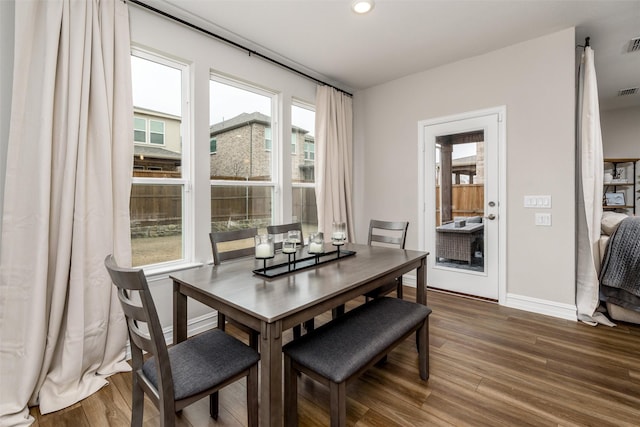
[{"x": 161, "y": 270}]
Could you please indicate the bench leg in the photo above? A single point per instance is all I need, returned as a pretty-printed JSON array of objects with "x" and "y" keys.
[
  {"x": 290, "y": 394},
  {"x": 338, "y": 397},
  {"x": 423, "y": 348}
]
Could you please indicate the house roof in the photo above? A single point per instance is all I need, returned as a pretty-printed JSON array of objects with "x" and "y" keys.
[
  {"x": 243, "y": 120},
  {"x": 155, "y": 152}
]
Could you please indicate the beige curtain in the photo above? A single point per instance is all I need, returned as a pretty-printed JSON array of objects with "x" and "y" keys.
[
  {"x": 589, "y": 177},
  {"x": 334, "y": 159},
  {"x": 66, "y": 204}
]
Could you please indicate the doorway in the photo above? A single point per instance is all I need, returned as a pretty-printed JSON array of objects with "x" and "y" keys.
[{"x": 462, "y": 223}]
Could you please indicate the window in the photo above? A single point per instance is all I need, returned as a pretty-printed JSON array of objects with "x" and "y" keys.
[
  {"x": 309, "y": 150},
  {"x": 294, "y": 142},
  {"x": 156, "y": 132},
  {"x": 304, "y": 207},
  {"x": 242, "y": 186},
  {"x": 139, "y": 129},
  {"x": 267, "y": 139},
  {"x": 212, "y": 146},
  {"x": 159, "y": 203}
]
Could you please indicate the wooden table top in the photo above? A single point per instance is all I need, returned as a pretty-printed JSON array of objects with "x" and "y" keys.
[{"x": 271, "y": 299}]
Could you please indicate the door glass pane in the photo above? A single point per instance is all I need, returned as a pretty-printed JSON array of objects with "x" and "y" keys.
[{"x": 460, "y": 201}]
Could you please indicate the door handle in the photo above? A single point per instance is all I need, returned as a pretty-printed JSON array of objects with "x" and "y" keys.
[{"x": 491, "y": 217}]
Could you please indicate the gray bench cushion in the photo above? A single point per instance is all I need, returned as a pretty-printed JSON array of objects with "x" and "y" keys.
[
  {"x": 203, "y": 361},
  {"x": 341, "y": 347}
]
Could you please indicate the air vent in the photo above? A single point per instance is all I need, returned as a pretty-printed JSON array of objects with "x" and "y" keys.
[
  {"x": 634, "y": 45},
  {"x": 628, "y": 91}
]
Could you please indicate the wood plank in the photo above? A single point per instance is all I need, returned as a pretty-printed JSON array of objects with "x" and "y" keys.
[{"x": 490, "y": 366}]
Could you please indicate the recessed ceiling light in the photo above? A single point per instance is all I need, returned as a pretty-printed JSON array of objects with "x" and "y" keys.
[{"x": 362, "y": 6}]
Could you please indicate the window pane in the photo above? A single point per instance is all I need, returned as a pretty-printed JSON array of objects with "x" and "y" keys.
[
  {"x": 304, "y": 207},
  {"x": 240, "y": 122},
  {"x": 157, "y": 203},
  {"x": 236, "y": 207},
  {"x": 157, "y": 98},
  {"x": 156, "y": 223}
]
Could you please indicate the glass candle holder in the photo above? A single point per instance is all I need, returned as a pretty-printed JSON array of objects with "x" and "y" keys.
[
  {"x": 316, "y": 243},
  {"x": 289, "y": 246},
  {"x": 264, "y": 246},
  {"x": 294, "y": 236},
  {"x": 339, "y": 234}
]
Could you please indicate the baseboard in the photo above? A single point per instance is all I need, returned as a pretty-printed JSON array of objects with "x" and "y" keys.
[{"x": 535, "y": 305}]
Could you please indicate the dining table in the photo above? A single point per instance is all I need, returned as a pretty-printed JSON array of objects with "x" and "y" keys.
[{"x": 242, "y": 290}]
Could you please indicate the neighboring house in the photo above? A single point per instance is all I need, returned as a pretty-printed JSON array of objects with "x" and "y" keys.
[
  {"x": 241, "y": 148},
  {"x": 157, "y": 144}
]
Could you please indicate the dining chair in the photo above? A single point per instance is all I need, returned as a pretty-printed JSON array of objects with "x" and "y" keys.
[
  {"x": 234, "y": 244},
  {"x": 389, "y": 234},
  {"x": 282, "y": 229},
  {"x": 178, "y": 376}
]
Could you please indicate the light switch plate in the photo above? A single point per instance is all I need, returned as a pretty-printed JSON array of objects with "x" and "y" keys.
[
  {"x": 543, "y": 219},
  {"x": 543, "y": 202}
]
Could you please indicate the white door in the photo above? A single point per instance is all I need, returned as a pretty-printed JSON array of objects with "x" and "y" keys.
[{"x": 462, "y": 202}]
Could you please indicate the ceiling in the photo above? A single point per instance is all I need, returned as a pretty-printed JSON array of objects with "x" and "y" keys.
[{"x": 325, "y": 39}]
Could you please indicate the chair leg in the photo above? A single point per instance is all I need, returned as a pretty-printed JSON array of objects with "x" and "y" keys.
[
  {"x": 309, "y": 325},
  {"x": 221, "y": 321},
  {"x": 338, "y": 397},
  {"x": 290, "y": 394},
  {"x": 338, "y": 311},
  {"x": 254, "y": 340},
  {"x": 137, "y": 402},
  {"x": 252, "y": 396},
  {"x": 213, "y": 405},
  {"x": 297, "y": 332},
  {"x": 399, "y": 290}
]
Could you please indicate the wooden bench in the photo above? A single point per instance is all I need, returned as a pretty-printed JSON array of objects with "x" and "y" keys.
[{"x": 344, "y": 348}]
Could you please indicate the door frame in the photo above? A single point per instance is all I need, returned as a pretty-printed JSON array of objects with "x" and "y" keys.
[{"x": 423, "y": 206}]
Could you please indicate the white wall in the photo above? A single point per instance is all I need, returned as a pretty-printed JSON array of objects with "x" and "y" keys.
[
  {"x": 535, "y": 80},
  {"x": 621, "y": 132}
]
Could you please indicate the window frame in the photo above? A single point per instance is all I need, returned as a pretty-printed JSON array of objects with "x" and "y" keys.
[
  {"x": 186, "y": 179},
  {"x": 273, "y": 183}
]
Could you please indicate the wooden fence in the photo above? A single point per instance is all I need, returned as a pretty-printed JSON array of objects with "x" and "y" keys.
[{"x": 466, "y": 200}]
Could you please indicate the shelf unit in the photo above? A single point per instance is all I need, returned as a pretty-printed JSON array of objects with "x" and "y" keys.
[{"x": 615, "y": 185}]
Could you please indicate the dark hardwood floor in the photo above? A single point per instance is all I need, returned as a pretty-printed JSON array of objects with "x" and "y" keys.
[{"x": 490, "y": 366}]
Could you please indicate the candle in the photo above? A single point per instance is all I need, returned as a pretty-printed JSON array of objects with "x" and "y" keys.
[
  {"x": 288, "y": 249},
  {"x": 316, "y": 247},
  {"x": 264, "y": 250},
  {"x": 337, "y": 235}
]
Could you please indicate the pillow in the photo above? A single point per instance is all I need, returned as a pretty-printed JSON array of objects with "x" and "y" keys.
[
  {"x": 610, "y": 222},
  {"x": 474, "y": 219}
]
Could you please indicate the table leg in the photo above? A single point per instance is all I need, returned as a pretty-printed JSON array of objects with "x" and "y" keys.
[
  {"x": 179, "y": 314},
  {"x": 271, "y": 401},
  {"x": 421, "y": 282}
]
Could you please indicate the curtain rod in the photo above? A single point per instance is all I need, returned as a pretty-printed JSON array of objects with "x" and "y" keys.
[{"x": 234, "y": 44}]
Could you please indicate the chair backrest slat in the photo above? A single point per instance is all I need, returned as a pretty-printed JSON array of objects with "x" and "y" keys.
[
  {"x": 284, "y": 228},
  {"x": 392, "y": 233},
  {"x": 240, "y": 247}
]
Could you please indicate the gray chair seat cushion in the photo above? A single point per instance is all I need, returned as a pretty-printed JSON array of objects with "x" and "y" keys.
[
  {"x": 203, "y": 361},
  {"x": 341, "y": 347}
]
